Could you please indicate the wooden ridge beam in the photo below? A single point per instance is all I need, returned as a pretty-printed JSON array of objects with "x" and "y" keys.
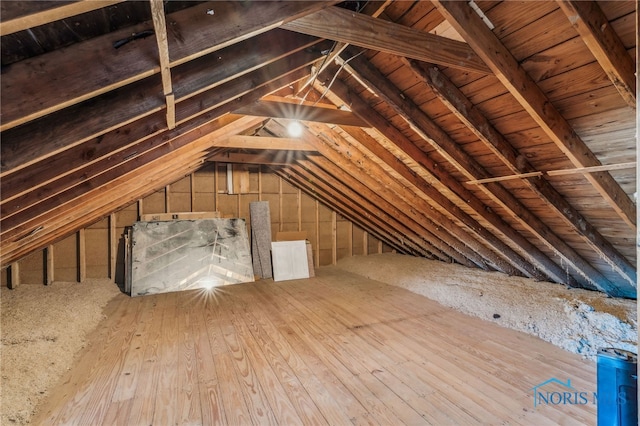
[
  {"x": 264, "y": 108},
  {"x": 342, "y": 25},
  {"x": 387, "y": 193},
  {"x": 545, "y": 268},
  {"x": 20, "y": 23},
  {"x": 473, "y": 118},
  {"x": 535, "y": 102},
  {"x": 429, "y": 131},
  {"x": 63, "y": 74},
  {"x": 345, "y": 199},
  {"x": 605, "y": 45},
  {"x": 300, "y": 178}
]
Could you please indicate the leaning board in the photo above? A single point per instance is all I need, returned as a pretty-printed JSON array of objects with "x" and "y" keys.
[{"x": 188, "y": 254}]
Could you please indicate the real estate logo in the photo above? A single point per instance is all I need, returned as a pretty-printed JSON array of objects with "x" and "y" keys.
[{"x": 547, "y": 394}]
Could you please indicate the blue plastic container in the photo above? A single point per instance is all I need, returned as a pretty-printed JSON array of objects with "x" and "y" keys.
[{"x": 617, "y": 387}]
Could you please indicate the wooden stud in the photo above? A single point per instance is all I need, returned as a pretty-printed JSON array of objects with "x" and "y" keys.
[
  {"x": 299, "y": 207},
  {"x": 82, "y": 255},
  {"x": 280, "y": 205},
  {"x": 113, "y": 246},
  {"x": 350, "y": 239},
  {"x": 171, "y": 111},
  {"x": 334, "y": 238},
  {"x": 215, "y": 186},
  {"x": 13, "y": 276},
  {"x": 50, "y": 267},
  {"x": 365, "y": 243},
  {"x": 160, "y": 27},
  {"x": 192, "y": 191},
  {"x": 167, "y": 199},
  {"x": 317, "y": 214},
  {"x": 260, "y": 182}
]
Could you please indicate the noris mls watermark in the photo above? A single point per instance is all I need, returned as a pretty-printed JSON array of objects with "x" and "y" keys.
[
  {"x": 556, "y": 392},
  {"x": 562, "y": 393}
]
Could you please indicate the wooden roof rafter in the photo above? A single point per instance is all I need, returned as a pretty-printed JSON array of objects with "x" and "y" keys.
[
  {"x": 462, "y": 107},
  {"x": 429, "y": 131},
  {"x": 385, "y": 192},
  {"x": 594, "y": 28},
  {"x": 325, "y": 192},
  {"x": 113, "y": 68},
  {"x": 535, "y": 102},
  {"x": 18, "y": 238},
  {"x": 544, "y": 267},
  {"x": 340, "y": 185},
  {"x": 23, "y": 22}
]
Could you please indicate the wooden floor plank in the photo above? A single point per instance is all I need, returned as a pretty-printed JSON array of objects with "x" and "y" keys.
[
  {"x": 189, "y": 410},
  {"x": 276, "y": 396},
  {"x": 166, "y": 407},
  {"x": 143, "y": 404},
  {"x": 336, "y": 349},
  {"x": 208, "y": 387},
  {"x": 341, "y": 404}
]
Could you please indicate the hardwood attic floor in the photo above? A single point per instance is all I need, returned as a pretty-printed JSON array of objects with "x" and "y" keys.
[{"x": 335, "y": 349}]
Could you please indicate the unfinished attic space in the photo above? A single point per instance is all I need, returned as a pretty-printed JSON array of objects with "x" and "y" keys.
[{"x": 318, "y": 212}]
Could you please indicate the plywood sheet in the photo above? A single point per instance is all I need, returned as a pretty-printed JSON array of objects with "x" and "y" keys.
[{"x": 188, "y": 254}]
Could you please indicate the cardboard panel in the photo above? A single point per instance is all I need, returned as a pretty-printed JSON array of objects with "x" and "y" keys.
[
  {"x": 66, "y": 259},
  {"x": 97, "y": 251},
  {"x": 32, "y": 268},
  {"x": 154, "y": 203},
  {"x": 270, "y": 183},
  {"x": 189, "y": 254},
  {"x": 289, "y": 260}
]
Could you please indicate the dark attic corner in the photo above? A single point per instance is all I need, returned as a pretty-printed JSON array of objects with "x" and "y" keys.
[{"x": 318, "y": 212}]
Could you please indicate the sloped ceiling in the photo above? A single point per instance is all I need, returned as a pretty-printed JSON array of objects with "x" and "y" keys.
[{"x": 498, "y": 135}]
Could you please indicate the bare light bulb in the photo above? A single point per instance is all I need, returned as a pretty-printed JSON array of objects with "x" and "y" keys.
[{"x": 295, "y": 129}]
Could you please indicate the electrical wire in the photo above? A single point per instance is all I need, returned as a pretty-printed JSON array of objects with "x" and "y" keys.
[{"x": 344, "y": 63}]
